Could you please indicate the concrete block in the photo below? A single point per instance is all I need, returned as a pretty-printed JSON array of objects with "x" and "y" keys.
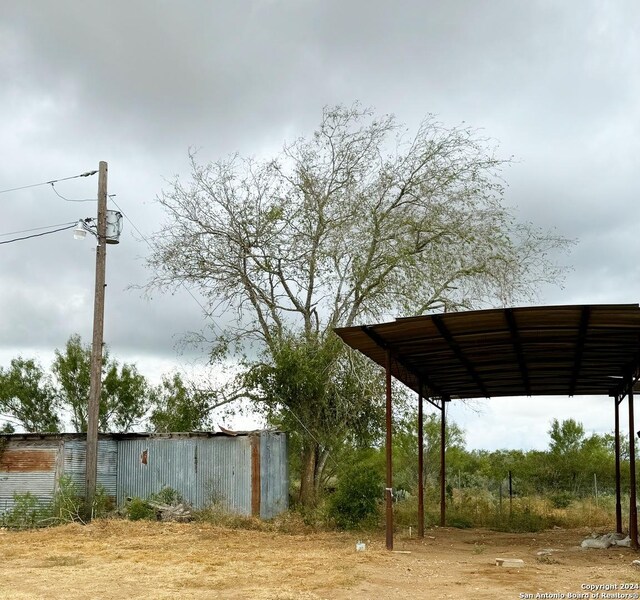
[{"x": 510, "y": 562}]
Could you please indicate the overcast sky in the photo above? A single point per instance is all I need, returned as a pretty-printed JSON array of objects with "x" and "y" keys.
[{"x": 138, "y": 83}]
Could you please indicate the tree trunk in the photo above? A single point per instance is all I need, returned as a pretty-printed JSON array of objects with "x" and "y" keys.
[
  {"x": 320, "y": 465},
  {"x": 308, "y": 474}
]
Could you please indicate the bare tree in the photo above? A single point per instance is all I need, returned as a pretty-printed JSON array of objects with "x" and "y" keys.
[{"x": 357, "y": 223}]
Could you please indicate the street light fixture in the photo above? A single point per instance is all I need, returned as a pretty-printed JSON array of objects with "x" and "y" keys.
[
  {"x": 79, "y": 233},
  {"x": 112, "y": 232}
]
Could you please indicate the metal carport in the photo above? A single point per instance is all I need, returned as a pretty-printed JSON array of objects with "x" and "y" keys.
[{"x": 528, "y": 351}]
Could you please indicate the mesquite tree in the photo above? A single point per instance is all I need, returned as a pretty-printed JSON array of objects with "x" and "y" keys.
[{"x": 357, "y": 223}]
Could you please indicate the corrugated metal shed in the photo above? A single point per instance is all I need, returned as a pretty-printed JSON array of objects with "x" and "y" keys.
[
  {"x": 75, "y": 463},
  {"x": 208, "y": 470},
  {"x": 34, "y": 463},
  {"x": 274, "y": 474},
  {"x": 245, "y": 472},
  {"x": 28, "y": 466}
]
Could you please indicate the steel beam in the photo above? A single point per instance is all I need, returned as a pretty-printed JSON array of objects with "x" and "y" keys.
[
  {"x": 582, "y": 336},
  {"x": 633, "y": 509},
  {"x": 455, "y": 347},
  {"x": 517, "y": 346},
  {"x": 617, "y": 453},
  {"x": 420, "y": 466},
  {"x": 389, "y": 456},
  {"x": 442, "y": 464}
]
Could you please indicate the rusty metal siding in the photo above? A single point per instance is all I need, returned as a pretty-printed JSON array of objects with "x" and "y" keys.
[
  {"x": 274, "y": 474},
  {"x": 28, "y": 467},
  {"x": 75, "y": 465},
  {"x": 203, "y": 470},
  {"x": 243, "y": 473}
]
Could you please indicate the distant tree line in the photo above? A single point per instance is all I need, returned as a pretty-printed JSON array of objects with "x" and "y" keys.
[
  {"x": 36, "y": 400},
  {"x": 575, "y": 462}
]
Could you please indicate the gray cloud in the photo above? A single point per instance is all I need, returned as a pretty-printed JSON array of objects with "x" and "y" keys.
[{"x": 138, "y": 83}]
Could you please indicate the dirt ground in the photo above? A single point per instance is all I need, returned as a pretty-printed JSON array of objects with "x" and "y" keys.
[{"x": 121, "y": 559}]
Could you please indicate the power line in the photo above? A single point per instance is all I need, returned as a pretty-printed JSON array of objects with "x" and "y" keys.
[
  {"x": 184, "y": 285},
  {"x": 50, "y": 182},
  {"x": 53, "y": 187},
  {"x": 36, "y": 229},
  {"x": 28, "y": 237}
]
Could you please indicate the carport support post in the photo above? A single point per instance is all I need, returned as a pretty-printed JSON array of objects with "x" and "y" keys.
[
  {"x": 617, "y": 452},
  {"x": 442, "y": 463},
  {"x": 389, "y": 488},
  {"x": 420, "y": 465},
  {"x": 633, "y": 510}
]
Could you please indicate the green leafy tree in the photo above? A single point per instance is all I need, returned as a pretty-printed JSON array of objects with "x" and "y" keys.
[
  {"x": 27, "y": 396},
  {"x": 566, "y": 437},
  {"x": 310, "y": 389},
  {"x": 355, "y": 223},
  {"x": 124, "y": 397},
  {"x": 179, "y": 407},
  {"x": 405, "y": 449},
  {"x": 7, "y": 427}
]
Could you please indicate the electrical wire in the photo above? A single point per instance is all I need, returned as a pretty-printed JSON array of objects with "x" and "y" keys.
[
  {"x": 28, "y": 237},
  {"x": 36, "y": 229},
  {"x": 184, "y": 285},
  {"x": 53, "y": 187},
  {"x": 51, "y": 181}
]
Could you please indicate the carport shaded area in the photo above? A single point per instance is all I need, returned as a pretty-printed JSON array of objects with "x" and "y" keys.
[{"x": 578, "y": 350}]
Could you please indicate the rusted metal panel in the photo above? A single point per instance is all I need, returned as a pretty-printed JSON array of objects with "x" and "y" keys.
[
  {"x": 255, "y": 476},
  {"x": 28, "y": 467},
  {"x": 274, "y": 474},
  {"x": 19, "y": 460}
]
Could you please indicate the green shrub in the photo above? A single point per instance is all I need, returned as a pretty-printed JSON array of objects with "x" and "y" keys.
[
  {"x": 357, "y": 497},
  {"x": 522, "y": 520},
  {"x": 137, "y": 509},
  {"x": 27, "y": 512},
  {"x": 103, "y": 504},
  {"x": 561, "y": 499},
  {"x": 67, "y": 503},
  {"x": 459, "y": 520},
  {"x": 167, "y": 495}
]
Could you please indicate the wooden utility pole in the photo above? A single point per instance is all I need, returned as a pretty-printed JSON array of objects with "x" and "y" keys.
[{"x": 93, "y": 412}]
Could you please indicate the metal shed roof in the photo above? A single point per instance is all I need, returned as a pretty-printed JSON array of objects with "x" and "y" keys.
[{"x": 542, "y": 350}]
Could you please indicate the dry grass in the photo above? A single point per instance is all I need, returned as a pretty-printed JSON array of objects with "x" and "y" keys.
[{"x": 120, "y": 559}]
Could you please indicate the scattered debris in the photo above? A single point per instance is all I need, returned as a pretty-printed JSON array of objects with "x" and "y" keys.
[
  {"x": 170, "y": 512},
  {"x": 509, "y": 562},
  {"x": 603, "y": 542},
  {"x": 546, "y": 551},
  {"x": 401, "y": 551},
  {"x": 360, "y": 546},
  {"x": 624, "y": 542},
  {"x": 547, "y": 559},
  {"x": 636, "y": 563}
]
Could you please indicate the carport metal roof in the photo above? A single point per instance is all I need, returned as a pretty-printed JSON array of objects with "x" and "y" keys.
[
  {"x": 543, "y": 350},
  {"x": 532, "y": 351}
]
